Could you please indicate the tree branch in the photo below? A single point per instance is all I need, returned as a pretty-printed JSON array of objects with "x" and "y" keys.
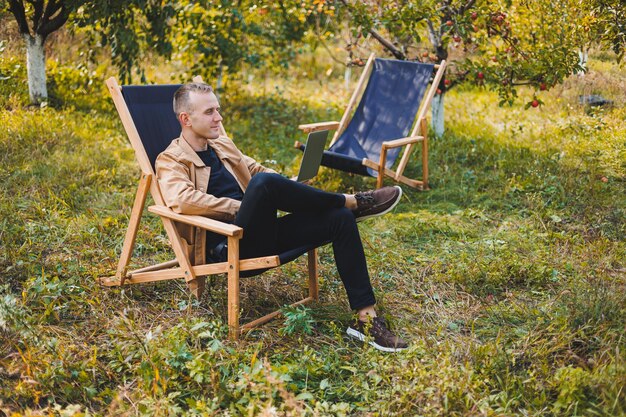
[
  {"x": 384, "y": 42},
  {"x": 435, "y": 39},
  {"x": 388, "y": 45},
  {"x": 38, "y": 10},
  {"x": 330, "y": 53},
  {"x": 56, "y": 22},
  {"x": 51, "y": 9},
  {"x": 17, "y": 9},
  {"x": 466, "y": 7}
]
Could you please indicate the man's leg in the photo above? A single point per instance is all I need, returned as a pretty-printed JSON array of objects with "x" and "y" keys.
[
  {"x": 336, "y": 226},
  {"x": 339, "y": 227},
  {"x": 265, "y": 195},
  {"x": 316, "y": 217},
  {"x": 288, "y": 195}
]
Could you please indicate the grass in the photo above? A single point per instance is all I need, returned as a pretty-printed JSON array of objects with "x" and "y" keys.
[{"x": 507, "y": 277}]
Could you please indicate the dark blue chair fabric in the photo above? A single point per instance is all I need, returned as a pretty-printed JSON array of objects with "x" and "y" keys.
[
  {"x": 151, "y": 108},
  {"x": 386, "y": 112}
]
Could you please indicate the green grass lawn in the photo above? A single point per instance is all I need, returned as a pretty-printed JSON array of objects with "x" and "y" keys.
[{"x": 507, "y": 277}]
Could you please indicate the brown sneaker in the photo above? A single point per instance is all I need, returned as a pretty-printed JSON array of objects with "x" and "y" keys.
[
  {"x": 377, "y": 202},
  {"x": 376, "y": 333}
]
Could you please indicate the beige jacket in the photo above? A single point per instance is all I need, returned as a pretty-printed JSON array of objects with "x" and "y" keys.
[{"x": 184, "y": 178}]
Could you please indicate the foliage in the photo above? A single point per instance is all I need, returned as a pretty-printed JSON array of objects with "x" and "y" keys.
[
  {"x": 77, "y": 86},
  {"x": 610, "y": 16},
  {"x": 12, "y": 81},
  {"x": 215, "y": 38},
  {"x": 131, "y": 29},
  {"x": 39, "y": 17},
  {"x": 498, "y": 44},
  {"x": 209, "y": 38},
  {"x": 507, "y": 277},
  {"x": 297, "y": 320}
]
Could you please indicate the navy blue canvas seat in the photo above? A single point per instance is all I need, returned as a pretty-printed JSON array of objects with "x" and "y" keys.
[
  {"x": 387, "y": 112},
  {"x": 151, "y": 109},
  {"x": 150, "y": 124}
]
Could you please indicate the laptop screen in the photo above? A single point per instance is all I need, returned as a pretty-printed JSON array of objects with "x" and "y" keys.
[{"x": 315, "y": 144}]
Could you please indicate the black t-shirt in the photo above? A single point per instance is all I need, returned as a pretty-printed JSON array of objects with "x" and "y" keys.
[{"x": 221, "y": 184}]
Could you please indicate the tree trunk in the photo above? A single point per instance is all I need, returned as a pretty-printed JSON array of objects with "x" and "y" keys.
[
  {"x": 36, "y": 68},
  {"x": 583, "y": 57},
  {"x": 219, "y": 82},
  {"x": 436, "y": 122}
]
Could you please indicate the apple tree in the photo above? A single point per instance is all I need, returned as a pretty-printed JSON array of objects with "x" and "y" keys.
[
  {"x": 125, "y": 26},
  {"x": 213, "y": 38},
  {"x": 36, "y": 20},
  {"x": 210, "y": 37},
  {"x": 609, "y": 22},
  {"x": 501, "y": 45}
]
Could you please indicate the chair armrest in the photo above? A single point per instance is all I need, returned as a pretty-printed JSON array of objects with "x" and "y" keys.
[
  {"x": 401, "y": 142},
  {"x": 314, "y": 127},
  {"x": 211, "y": 225}
]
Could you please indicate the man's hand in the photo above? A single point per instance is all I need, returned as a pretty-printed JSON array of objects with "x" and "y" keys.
[{"x": 295, "y": 178}]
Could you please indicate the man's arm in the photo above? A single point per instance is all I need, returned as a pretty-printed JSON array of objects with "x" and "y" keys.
[{"x": 181, "y": 195}]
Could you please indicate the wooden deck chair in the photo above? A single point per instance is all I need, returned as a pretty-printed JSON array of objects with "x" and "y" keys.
[
  {"x": 150, "y": 124},
  {"x": 369, "y": 141}
]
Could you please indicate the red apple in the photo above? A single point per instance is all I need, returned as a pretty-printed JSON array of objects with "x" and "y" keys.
[
  {"x": 457, "y": 38},
  {"x": 543, "y": 87},
  {"x": 449, "y": 23},
  {"x": 474, "y": 15},
  {"x": 535, "y": 103},
  {"x": 480, "y": 76},
  {"x": 439, "y": 91},
  {"x": 447, "y": 82}
]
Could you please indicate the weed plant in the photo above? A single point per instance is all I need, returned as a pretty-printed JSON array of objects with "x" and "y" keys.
[{"x": 507, "y": 277}]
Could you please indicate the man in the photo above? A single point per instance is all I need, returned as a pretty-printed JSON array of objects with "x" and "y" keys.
[{"x": 204, "y": 173}]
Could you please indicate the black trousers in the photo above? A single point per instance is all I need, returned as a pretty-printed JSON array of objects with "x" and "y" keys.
[{"x": 313, "y": 217}]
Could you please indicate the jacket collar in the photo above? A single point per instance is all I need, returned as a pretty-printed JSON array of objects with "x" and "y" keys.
[
  {"x": 222, "y": 151},
  {"x": 216, "y": 144},
  {"x": 188, "y": 150}
]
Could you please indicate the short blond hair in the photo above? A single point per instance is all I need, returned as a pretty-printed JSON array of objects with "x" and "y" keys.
[{"x": 181, "y": 96}]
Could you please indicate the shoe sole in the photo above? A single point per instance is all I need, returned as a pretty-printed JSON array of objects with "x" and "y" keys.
[
  {"x": 391, "y": 207},
  {"x": 361, "y": 337}
]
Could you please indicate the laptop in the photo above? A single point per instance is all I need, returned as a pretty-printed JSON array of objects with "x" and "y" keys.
[{"x": 315, "y": 144}]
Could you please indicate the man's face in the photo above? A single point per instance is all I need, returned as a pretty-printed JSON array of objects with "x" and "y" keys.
[{"x": 204, "y": 118}]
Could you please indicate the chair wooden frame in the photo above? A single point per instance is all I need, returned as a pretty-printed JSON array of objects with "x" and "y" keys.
[
  {"x": 418, "y": 134},
  {"x": 181, "y": 266}
]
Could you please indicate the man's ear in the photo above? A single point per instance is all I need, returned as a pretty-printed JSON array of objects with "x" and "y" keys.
[{"x": 183, "y": 118}]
